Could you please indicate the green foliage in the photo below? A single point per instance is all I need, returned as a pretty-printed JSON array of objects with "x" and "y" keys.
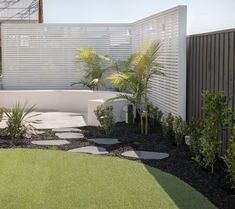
[
  {"x": 139, "y": 69},
  {"x": 194, "y": 131},
  {"x": 18, "y": 123},
  {"x": 104, "y": 115},
  {"x": 216, "y": 117},
  {"x": 95, "y": 66},
  {"x": 209, "y": 145},
  {"x": 155, "y": 115},
  {"x": 167, "y": 127},
  {"x": 180, "y": 130},
  {"x": 229, "y": 158}
]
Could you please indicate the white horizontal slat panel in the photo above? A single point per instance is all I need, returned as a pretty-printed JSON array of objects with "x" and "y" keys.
[
  {"x": 41, "y": 56},
  {"x": 167, "y": 92}
]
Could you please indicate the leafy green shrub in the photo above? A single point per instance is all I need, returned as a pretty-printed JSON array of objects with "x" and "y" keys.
[
  {"x": 180, "y": 130},
  {"x": 229, "y": 159},
  {"x": 194, "y": 131},
  {"x": 209, "y": 146},
  {"x": 167, "y": 127},
  {"x": 216, "y": 117},
  {"x": 104, "y": 115},
  {"x": 155, "y": 115},
  {"x": 18, "y": 123}
]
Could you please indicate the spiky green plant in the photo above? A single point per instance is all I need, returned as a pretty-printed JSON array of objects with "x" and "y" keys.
[
  {"x": 94, "y": 66},
  {"x": 18, "y": 121},
  {"x": 142, "y": 67}
]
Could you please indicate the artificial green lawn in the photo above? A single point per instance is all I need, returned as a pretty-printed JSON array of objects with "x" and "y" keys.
[{"x": 34, "y": 179}]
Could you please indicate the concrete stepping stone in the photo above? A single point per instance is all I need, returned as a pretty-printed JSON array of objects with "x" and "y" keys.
[
  {"x": 145, "y": 155},
  {"x": 67, "y": 130},
  {"x": 33, "y": 132},
  {"x": 107, "y": 141},
  {"x": 69, "y": 135},
  {"x": 91, "y": 149},
  {"x": 50, "y": 142}
]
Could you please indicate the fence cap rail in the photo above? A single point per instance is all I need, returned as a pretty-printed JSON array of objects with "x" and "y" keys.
[{"x": 212, "y": 32}]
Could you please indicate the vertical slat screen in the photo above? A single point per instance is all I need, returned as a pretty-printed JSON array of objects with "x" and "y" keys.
[{"x": 210, "y": 66}]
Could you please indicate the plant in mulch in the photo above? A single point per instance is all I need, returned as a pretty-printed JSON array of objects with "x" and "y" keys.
[
  {"x": 104, "y": 115},
  {"x": 140, "y": 69},
  {"x": 167, "y": 127},
  {"x": 180, "y": 130},
  {"x": 19, "y": 122},
  {"x": 229, "y": 159},
  {"x": 194, "y": 131},
  {"x": 155, "y": 116},
  {"x": 215, "y": 119}
]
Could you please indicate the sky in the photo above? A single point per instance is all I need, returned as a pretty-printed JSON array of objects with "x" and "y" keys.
[{"x": 203, "y": 15}]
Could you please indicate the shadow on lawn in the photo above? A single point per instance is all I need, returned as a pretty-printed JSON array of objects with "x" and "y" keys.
[{"x": 184, "y": 196}]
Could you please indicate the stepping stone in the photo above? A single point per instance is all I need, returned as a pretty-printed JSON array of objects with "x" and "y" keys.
[
  {"x": 33, "y": 132},
  {"x": 50, "y": 142},
  {"x": 107, "y": 141},
  {"x": 67, "y": 130},
  {"x": 145, "y": 155},
  {"x": 69, "y": 135},
  {"x": 90, "y": 149}
]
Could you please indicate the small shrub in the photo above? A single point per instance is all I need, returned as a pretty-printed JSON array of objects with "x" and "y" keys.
[
  {"x": 216, "y": 117},
  {"x": 104, "y": 115},
  {"x": 194, "y": 129},
  {"x": 229, "y": 159},
  {"x": 167, "y": 127},
  {"x": 18, "y": 123},
  {"x": 155, "y": 115},
  {"x": 180, "y": 130},
  {"x": 209, "y": 146}
]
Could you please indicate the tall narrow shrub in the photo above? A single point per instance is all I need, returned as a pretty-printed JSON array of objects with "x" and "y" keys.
[{"x": 215, "y": 118}]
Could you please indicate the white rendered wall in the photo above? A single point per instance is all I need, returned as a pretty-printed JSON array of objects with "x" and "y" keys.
[
  {"x": 41, "y": 56},
  {"x": 80, "y": 101}
]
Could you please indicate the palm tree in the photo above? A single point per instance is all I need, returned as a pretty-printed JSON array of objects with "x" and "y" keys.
[
  {"x": 95, "y": 66},
  {"x": 142, "y": 67}
]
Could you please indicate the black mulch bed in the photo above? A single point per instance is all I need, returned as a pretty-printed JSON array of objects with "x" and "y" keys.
[{"x": 215, "y": 187}]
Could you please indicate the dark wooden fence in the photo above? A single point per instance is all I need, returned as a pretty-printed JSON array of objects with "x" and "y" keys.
[{"x": 210, "y": 66}]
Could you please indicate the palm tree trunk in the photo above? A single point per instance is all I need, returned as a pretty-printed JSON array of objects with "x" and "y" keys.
[
  {"x": 146, "y": 111},
  {"x": 141, "y": 123},
  {"x": 146, "y": 123}
]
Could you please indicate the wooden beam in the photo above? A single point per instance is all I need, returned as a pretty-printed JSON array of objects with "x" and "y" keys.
[{"x": 40, "y": 12}]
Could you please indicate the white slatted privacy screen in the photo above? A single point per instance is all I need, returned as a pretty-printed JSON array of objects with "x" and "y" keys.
[
  {"x": 167, "y": 92},
  {"x": 41, "y": 56}
]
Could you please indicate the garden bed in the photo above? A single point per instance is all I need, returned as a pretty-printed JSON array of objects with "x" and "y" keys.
[{"x": 179, "y": 163}]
